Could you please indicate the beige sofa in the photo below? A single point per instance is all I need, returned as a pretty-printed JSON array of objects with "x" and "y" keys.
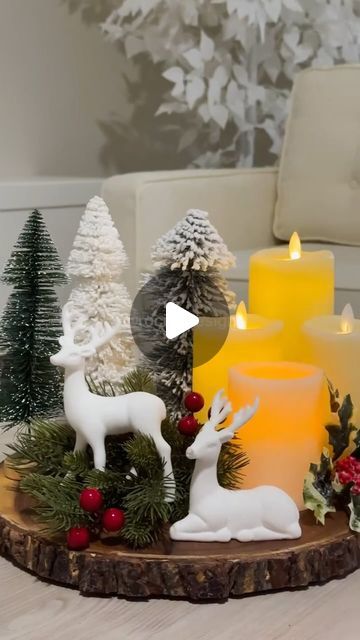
[{"x": 316, "y": 190}]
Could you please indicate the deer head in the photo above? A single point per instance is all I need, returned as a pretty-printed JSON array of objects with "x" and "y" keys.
[
  {"x": 72, "y": 355},
  {"x": 209, "y": 440}
]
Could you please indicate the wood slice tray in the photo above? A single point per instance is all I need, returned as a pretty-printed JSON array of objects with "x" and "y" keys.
[{"x": 195, "y": 571}]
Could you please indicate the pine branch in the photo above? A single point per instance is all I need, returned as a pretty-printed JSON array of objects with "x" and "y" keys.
[
  {"x": 57, "y": 503},
  {"x": 107, "y": 389},
  {"x": 139, "y": 535},
  {"x": 143, "y": 455},
  {"x": 77, "y": 463},
  {"x": 44, "y": 443},
  {"x": 139, "y": 379},
  {"x": 231, "y": 463}
]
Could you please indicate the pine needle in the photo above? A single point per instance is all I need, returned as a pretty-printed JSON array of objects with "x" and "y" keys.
[{"x": 57, "y": 503}]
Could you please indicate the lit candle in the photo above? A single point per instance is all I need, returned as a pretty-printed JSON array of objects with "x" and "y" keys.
[
  {"x": 333, "y": 343},
  {"x": 287, "y": 433},
  {"x": 250, "y": 337},
  {"x": 293, "y": 285}
]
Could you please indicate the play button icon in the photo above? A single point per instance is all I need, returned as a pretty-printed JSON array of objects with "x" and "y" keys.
[
  {"x": 167, "y": 315},
  {"x": 178, "y": 320}
]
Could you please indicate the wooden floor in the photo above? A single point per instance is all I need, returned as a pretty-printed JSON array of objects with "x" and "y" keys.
[{"x": 32, "y": 610}]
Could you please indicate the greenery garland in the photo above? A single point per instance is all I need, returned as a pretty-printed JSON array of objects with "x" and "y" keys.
[{"x": 54, "y": 476}]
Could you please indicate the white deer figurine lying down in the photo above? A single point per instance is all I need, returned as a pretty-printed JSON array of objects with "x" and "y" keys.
[
  {"x": 217, "y": 514},
  {"x": 94, "y": 417}
]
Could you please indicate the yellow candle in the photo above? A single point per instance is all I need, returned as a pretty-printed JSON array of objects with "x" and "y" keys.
[
  {"x": 333, "y": 343},
  {"x": 292, "y": 285},
  {"x": 250, "y": 337},
  {"x": 287, "y": 433}
]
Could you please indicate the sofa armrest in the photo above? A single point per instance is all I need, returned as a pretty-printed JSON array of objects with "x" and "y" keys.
[{"x": 240, "y": 202}]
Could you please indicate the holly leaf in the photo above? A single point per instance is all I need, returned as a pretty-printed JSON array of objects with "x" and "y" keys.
[
  {"x": 357, "y": 439},
  {"x": 340, "y": 435},
  {"x": 318, "y": 491},
  {"x": 354, "y": 521},
  {"x": 346, "y": 410},
  {"x": 334, "y": 397}
]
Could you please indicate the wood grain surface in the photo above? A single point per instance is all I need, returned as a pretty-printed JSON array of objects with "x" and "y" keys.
[
  {"x": 195, "y": 571},
  {"x": 33, "y": 610}
]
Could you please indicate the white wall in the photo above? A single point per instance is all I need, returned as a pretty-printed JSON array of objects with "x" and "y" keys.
[{"x": 58, "y": 79}]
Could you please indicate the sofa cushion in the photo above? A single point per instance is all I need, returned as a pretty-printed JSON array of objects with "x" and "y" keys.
[
  {"x": 319, "y": 177},
  {"x": 347, "y": 272}
]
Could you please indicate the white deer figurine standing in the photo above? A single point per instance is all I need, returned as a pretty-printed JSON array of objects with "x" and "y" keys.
[
  {"x": 218, "y": 514},
  {"x": 94, "y": 417}
]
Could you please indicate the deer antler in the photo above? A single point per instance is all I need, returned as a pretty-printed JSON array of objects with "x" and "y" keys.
[
  {"x": 243, "y": 416},
  {"x": 69, "y": 328},
  {"x": 97, "y": 341},
  {"x": 240, "y": 418},
  {"x": 66, "y": 320},
  {"x": 220, "y": 409}
]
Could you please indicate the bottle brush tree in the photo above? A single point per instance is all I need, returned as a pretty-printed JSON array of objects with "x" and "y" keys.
[
  {"x": 30, "y": 326},
  {"x": 96, "y": 263},
  {"x": 188, "y": 260}
]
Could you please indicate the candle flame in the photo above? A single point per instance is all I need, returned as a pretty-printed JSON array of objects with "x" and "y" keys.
[
  {"x": 295, "y": 246},
  {"x": 347, "y": 319},
  {"x": 241, "y": 316}
]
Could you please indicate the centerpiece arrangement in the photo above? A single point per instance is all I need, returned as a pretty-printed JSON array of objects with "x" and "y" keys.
[{"x": 147, "y": 465}]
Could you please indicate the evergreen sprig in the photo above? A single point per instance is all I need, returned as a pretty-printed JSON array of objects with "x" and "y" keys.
[
  {"x": 56, "y": 501},
  {"x": 139, "y": 379},
  {"x": 232, "y": 461},
  {"x": 133, "y": 480},
  {"x": 43, "y": 445}
]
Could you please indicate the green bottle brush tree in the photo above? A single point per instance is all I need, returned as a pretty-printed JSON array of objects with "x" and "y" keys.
[{"x": 30, "y": 327}]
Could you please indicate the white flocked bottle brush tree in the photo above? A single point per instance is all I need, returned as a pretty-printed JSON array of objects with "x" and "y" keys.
[{"x": 99, "y": 297}]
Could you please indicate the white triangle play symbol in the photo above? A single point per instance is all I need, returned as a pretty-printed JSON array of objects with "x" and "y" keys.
[{"x": 178, "y": 320}]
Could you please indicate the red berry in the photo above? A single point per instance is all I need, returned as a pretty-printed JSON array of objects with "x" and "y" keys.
[
  {"x": 78, "y": 538},
  {"x": 113, "y": 519},
  {"x": 193, "y": 401},
  {"x": 188, "y": 425},
  {"x": 91, "y": 499},
  {"x": 348, "y": 470},
  {"x": 345, "y": 477}
]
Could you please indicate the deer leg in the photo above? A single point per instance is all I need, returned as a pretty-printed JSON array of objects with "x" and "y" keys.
[
  {"x": 164, "y": 451},
  {"x": 263, "y": 533},
  {"x": 182, "y": 528},
  {"x": 80, "y": 442},
  {"x": 194, "y": 528},
  {"x": 80, "y": 445},
  {"x": 98, "y": 448},
  {"x": 223, "y": 535}
]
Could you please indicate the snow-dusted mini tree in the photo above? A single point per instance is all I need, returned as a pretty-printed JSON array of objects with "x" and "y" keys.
[
  {"x": 231, "y": 63},
  {"x": 188, "y": 260},
  {"x": 96, "y": 263}
]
